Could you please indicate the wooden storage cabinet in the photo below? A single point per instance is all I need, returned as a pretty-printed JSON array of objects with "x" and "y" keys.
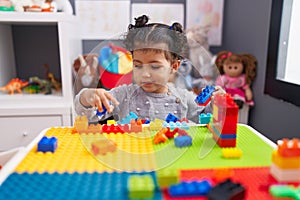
[{"x": 27, "y": 42}]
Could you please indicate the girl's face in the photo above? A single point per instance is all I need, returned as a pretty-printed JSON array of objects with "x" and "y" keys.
[
  {"x": 233, "y": 69},
  {"x": 152, "y": 71}
]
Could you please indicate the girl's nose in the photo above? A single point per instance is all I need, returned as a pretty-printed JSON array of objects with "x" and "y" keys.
[{"x": 146, "y": 73}]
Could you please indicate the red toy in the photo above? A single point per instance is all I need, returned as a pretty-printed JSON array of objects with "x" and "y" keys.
[{"x": 13, "y": 85}]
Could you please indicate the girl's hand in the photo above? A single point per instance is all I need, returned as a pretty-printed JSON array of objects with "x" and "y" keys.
[{"x": 98, "y": 98}]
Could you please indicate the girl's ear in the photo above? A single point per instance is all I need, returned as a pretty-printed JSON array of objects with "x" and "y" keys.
[{"x": 176, "y": 65}]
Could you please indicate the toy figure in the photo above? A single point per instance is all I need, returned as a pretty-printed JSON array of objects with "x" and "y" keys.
[
  {"x": 86, "y": 71},
  {"x": 203, "y": 71},
  {"x": 13, "y": 85},
  {"x": 237, "y": 72}
]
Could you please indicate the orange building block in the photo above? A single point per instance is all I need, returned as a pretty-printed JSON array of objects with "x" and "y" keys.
[
  {"x": 81, "y": 123},
  {"x": 285, "y": 162},
  {"x": 160, "y": 136},
  {"x": 136, "y": 126},
  {"x": 289, "y": 148},
  {"x": 103, "y": 146},
  {"x": 221, "y": 174}
]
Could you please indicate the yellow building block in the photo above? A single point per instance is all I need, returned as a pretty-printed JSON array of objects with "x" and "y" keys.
[
  {"x": 285, "y": 162},
  {"x": 111, "y": 121},
  {"x": 231, "y": 153},
  {"x": 81, "y": 123}
]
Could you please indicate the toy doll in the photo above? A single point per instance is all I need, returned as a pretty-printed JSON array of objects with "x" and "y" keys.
[{"x": 237, "y": 72}]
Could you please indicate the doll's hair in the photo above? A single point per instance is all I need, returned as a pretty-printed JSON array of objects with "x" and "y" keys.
[
  {"x": 249, "y": 63},
  {"x": 142, "y": 35}
]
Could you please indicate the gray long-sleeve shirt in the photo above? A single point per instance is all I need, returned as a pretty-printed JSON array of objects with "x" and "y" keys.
[{"x": 132, "y": 98}]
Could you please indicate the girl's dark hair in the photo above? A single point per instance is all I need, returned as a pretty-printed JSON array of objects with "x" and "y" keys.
[{"x": 143, "y": 35}]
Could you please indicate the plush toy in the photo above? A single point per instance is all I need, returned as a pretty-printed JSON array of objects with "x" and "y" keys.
[
  {"x": 86, "y": 72},
  {"x": 203, "y": 71},
  {"x": 237, "y": 72}
]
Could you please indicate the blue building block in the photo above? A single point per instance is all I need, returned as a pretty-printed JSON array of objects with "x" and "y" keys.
[
  {"x": 227, "y": 190},
  {"x": 183, "y": 141},
  {"x": 193, "y": 188},
  {"x": 128, "y": 118},
  {"x": 204, "y": 118},
  {"x": 171, "y": 118},
  {"x": 204, "y": 97},
  {"x": 47, "y": 144},
  {"x": 100, "y": 114}
]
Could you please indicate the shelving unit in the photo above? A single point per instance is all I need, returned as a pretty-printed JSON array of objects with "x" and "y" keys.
[{"x": 29, "y": 40}]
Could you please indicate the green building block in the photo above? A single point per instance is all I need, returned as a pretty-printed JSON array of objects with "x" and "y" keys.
[
  {"x": 141, "y": 186},
  {"x": 285, "y": 191},
  {"x": 168, "y": 177}
]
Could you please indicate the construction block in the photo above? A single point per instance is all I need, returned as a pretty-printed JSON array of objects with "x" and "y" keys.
[
  {"x": 103, "y": 146},
  {"x": 160, "y": 136},
  {"x": 140, "y": 186},
  {"x": 136, "y": 126},
  {"x": 285, "y": 162},
  {"x": 128, "y": 118},
  {"x": 156, "y": 124},
  {"x": 223, "y": 142},
  {"x": 113, "y": 128},
  {"x": 81, "y": 123},
  {"x": 93, "y": 129},
  {"x": 171, "y": 134},
  {"x": 191, "y": 188},
  {"x": 111, "y": 121},
  {"x": 167, "y": 177},
  {"x": 204, "y": 118},
  {"x": 171, "y": 118},
  {"x": 222, "y": 174},
  {"x": 231, "y": 153},
  {"x": 227, "y": 190},
  {"x": 289, "y": 148},
  {"x": 47, "y": 144},
  {"x": 204, "y": 97},
  {"x": 183, "y": 141},
  {"x": 285, "y": 175},
  {"x": 285, "y": 191},
  {"x": 174, "y": 125}
]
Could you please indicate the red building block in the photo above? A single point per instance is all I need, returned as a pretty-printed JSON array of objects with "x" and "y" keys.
[
  {"x": 112, "y": 128},
  {"x": 289, "y": 148}
]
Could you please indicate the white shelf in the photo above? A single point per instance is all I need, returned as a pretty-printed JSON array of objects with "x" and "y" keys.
[
  {"x": 32, "y": 17},
  {"x": 23, "y": 116}
]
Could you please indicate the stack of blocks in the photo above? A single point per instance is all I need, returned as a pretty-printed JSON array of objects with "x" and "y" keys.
[
  {"x": 285, "y": 165},
  {"x": 204, "y": 97},
  {"x": 224, "y": 122},
  {"x": 141, "y": 186}
]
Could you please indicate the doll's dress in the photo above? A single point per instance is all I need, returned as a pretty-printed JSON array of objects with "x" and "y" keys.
[{"x": 235, "y": 86}]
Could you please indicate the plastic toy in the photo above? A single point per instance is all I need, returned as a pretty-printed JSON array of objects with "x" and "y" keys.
[
  {"x": 171, "y": 118},
  {"x": 183, "y": 141},
  {"x": 13, "y": 85},
  {"x": 160, "y": 136},
  {"x": 6, "y": 5},
  {"x": 224, "y": 122},
  {"x": 128, "y": 118},
  {"x": 115, "y": 66},
  {"x": 47, "y": 144},
  {"x": 204, "y": 97},
  {"x": 136, "y": 126},
  {"x": 227, "y": 190},
  {"x": 140, "y": 186},
  {"x": 192, "y": 188},
  {"x": 204, "y": 118},
  {"x": 285, "y": 191},
  {"x": 156, "y": 124},
  {"x": 103, "y": 146},
  {"x": 113, "y": 128},
  {"x": 237, "y": 71},
  {"x": 285, "y": 165},
  {"x": 167, "y": 177},
  {"x": 44, "y": 85},
  {"x": 289, "y": 148},
  {"x": 85, "y": 71},
  {"x": 222, "y": 174},
  {"x": 178, "y": 124},
  {"x": 231, "y": 153}
]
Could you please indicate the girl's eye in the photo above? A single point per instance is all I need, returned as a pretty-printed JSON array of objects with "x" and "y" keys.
[
  {"x": 235, "y": 67},
  {"x": 138, "y": 66},
  {"x": 230, "y": 67},
  {"x": 155, "y": 67}
]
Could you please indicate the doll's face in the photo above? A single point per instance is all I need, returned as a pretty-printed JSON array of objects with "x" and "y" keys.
[{"x": 233, "y": 69}]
